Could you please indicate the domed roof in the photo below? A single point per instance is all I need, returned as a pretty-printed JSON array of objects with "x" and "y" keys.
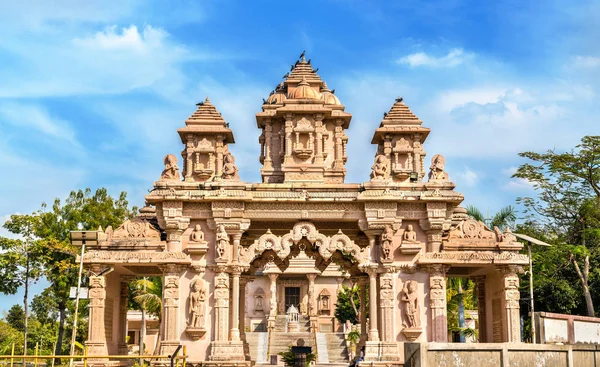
[
  {"x": 303, "y": 90},
  {"x": 328, "y": 97},
  {"x": 279, "y": 96}
]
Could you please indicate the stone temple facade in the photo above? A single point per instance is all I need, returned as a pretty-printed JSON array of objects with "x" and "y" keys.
[{"x": 249, "y": 268}]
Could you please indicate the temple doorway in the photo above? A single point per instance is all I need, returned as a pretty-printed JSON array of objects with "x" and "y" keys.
[{"x": 292, "y": 297}]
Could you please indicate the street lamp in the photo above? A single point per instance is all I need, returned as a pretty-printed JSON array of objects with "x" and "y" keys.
[
  {"x": 80, "y": 238},
  {"x": 531, "y": 241}
]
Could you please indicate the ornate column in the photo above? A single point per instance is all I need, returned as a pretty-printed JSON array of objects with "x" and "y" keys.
[
  {"x": 188, "y": 158},
  {"x": 174, "y": 224},
  {"x": 288, "y": 138},
  {"x": 312, "y": 306},
  {"x": 273, "y": 303},
  {"x": 222, "y": 349},
  {"x": 363, "y": 309},
  {"x": 319, "y": 136},
  {"x": 482, "y": 321},
  {"x": 511, "y": 303},
  {"x": 235, "y": 303},
  {"x": 338, "y": 162},
  {"x": 235, "y": 256},
  {"x": 219, "y": 151},
  {"x": 268, "y": 129},
  {"x": 170, "y": 319},
  {"x": 123, "y": 300},
  {"x": 243, "y": 282},
  {"x": 437, "y": 303},
  {"x": 373, "y": 332},
  {"x": 386, "y": 295},
  {"x": 96, "y": 342}
]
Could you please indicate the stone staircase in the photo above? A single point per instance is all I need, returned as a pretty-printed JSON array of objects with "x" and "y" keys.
[
  {"x": 280, "y": 339},
  {"x": 258, "y": 345},
  {"x": 336, "y": 348}
]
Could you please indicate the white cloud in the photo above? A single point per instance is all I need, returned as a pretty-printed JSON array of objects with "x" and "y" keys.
[
  {"x": 586, "y": 61},
  {"x": 467, "y": 177},
  {"x": 32, "y": 116},
  {"x": 454, "y": 57},
  {"x": 515, "y": 184}
]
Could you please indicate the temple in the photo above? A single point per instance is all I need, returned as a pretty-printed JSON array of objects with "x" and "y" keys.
[{"x": 250, "y": 268}]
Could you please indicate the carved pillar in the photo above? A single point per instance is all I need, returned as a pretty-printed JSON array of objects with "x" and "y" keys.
[
  {"x": 511, "y": 303},
  {"x": 235, "y": 304},
  {"x": 288, "y": 138},
  {"x": 386, "y": 295},
  {"x": 174, "y": 227},
  {"x": 273, "y": 302},
  {"x": 219, "y": 150},
  {"x": 312, "y": 310},
  {"x": 189, "y": 162},
  {"x": 434, "y": 240},
  {"x": 437, "y": 303},
  {"x": 123, "y": 300},
  {"x": 363, "y": 309},
  {"x": 221, "y": 296},
  {"x": 373, "y": 308},
  {"x": 481, "y": 314},
  {"x": 96, "y": 342},
  {"x": 170, "y": 319},
  {"x": 319, "y": 136},
  {"x": 235, "y": 256},
  {"x": 339, "y": 162},
  {"x": 243, "y": 282},
  {"x": 268, "y": 129}
]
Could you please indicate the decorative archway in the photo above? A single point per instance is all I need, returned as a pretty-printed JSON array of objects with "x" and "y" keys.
[{"x": 326, "y": 246}]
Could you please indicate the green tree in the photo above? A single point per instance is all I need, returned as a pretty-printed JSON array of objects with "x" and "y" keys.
[
  {"x": 567, "y": 205},
  {"x": 147, "y": 294},
  {"x": 15, "y": 317},
  {"x": 460, "y": 293},
  {"x": 505, "y": 217},
  {"x": 348, "y": 304},
  {"x": 8, "y": 337},
  {"x": 81, "y": 210},
  {"x": 23, "y": 260}
]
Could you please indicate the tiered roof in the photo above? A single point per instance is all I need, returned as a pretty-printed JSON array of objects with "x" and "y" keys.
[
  {"x": 206, "y": 119},
  {"x": 400, "y": 119}
]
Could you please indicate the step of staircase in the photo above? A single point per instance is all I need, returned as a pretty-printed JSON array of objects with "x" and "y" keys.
[
  {"x": 281, "y": 341},
  {"x": 258, "y": 343},
  {"x": 336, "y": 347},
  {"x": 322, "y": 352}
]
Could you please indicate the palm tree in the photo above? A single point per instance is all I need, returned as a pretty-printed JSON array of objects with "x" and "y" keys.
[
  {"x": 148, "y": 295},
  {"x": 504, "y": 217}
]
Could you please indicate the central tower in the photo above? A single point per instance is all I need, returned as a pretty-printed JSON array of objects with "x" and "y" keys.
[{"x": 303, "y": 130}]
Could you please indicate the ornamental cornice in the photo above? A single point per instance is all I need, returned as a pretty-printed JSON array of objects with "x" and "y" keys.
[{"x": 472, "y": 257}]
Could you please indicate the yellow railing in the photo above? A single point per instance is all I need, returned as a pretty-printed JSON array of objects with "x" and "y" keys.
[{"x": 176, "y": 361}]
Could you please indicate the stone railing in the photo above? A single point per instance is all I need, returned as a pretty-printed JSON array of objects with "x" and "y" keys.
[{"x": 499, "y": 354}]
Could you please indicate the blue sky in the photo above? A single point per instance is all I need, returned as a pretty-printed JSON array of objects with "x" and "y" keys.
[{"x": 92, "y": 92}]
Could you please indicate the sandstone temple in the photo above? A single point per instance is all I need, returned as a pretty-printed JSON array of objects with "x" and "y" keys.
[{"x": 250, "y": 268}]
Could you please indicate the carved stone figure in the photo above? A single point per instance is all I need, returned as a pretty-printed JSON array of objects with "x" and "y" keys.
[
  {"x": 387, "y": 242},
  {"x": 222, "y": 243},
  {"x": 380, "y": 168},
  {"x": 436, "y": 171},
  {"x": 197, "y": 235},
  {"x": 411, "y": 305},
  {"x": 171, "y": 171},
  {"x": 229, "y": 168},
  {"x": 410, "y": 236},
  {"x": 197, "y": 303}
]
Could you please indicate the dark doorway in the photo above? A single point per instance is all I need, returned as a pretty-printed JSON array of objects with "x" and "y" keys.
[{"x": 292, "y": 297}]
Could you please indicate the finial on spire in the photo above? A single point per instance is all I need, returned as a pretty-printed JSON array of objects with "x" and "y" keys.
[
  {"x": 303, "y": 81},
  {"x": 324, "y": 88},
  {"x": 207, "y": 100},
  {"x": 302, "y": 59}
]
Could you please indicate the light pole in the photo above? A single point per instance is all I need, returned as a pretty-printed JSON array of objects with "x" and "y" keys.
[
  {"x": 80, "y": 238},
  {"x": 531, "y": 241}
]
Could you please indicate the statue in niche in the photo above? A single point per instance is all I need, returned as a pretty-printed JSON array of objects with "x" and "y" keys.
[
  {"x": 229, "y": 168},
  {"x": 436, "y": 171},
  {"x": 387, "y": 242},
  {"x": 222, "y": 243},
  {"x": 411, "y": 307},
  {"x": 380, "y": 168},
  {"x": 197, "y": 235},
  {"x": 258, "y": 304},
  {"x": 410, "y": 236},
  {"x": 171, "y": 171},
  {"x": 197, "y": 303}
]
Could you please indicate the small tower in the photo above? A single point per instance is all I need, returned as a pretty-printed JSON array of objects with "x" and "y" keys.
[
  {"x": 206, "y": 155},
  {"x": 399, "y": 139},
  {"x": 303, "y": 130}
]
